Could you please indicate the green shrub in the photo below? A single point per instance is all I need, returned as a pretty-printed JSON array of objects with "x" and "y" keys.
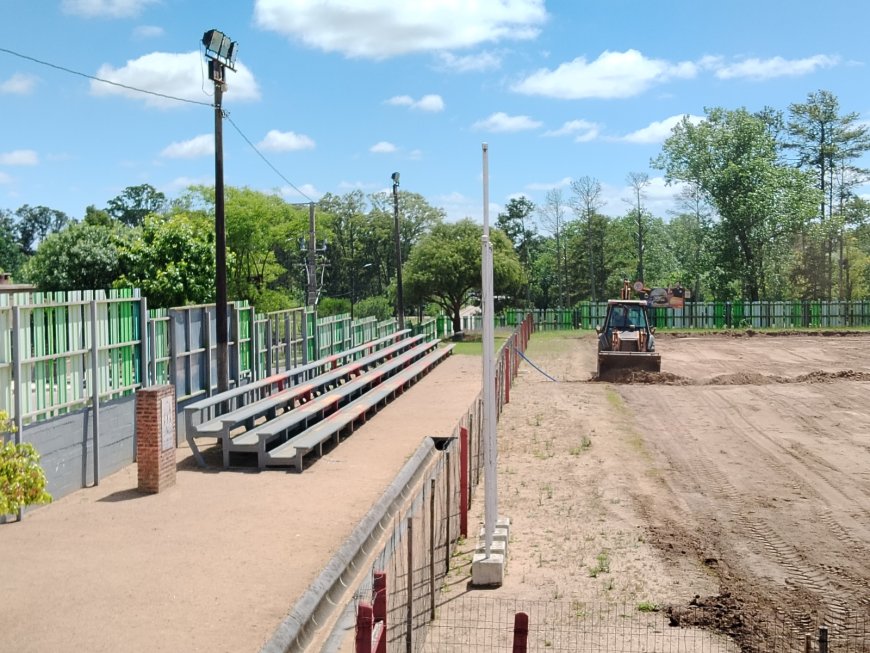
[{"x": 22, "y": 481}]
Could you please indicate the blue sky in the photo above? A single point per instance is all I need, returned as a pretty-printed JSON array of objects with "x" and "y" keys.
[{"x": 339, "y": 94}]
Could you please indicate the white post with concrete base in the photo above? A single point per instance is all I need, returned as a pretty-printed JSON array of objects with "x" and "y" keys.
[{"x": 487, "y": 566}]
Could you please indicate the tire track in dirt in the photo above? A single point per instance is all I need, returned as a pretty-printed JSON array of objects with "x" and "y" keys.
[{"x": 704, "y": 475}]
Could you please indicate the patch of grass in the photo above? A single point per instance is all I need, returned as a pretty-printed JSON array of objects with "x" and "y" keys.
[
  {"x": 602, "y": 565},
  {"x": 614, "y": 399},
  {"x": 475, "y": 347},
  {"x": 647, "y": 606},
  {"x": 585, "y": 443}
]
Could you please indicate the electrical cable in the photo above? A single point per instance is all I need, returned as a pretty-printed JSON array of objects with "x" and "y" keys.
[
  {"x": 104, "y": 81},
  {"x": 535, "y": 366},
  {"x": 265, "y": 160},
  {"x": 165, "y": 96}
]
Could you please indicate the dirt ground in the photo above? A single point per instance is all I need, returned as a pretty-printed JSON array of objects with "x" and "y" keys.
[
  {"x": 738, "y": 479},
  {"x": 740, "y": 475},
  {"x": 216, "y": 562}
]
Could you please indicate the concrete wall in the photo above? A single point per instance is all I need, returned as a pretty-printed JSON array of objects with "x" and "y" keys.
[{"x": 65, "y": 445}]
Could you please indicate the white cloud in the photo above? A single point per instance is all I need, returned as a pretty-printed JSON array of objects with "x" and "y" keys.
[
  {"x": 415, "y": 155},
  {"x": 611, "y": 75},
  {"x": 143, "y": 32},
  {"x": 761, "y": 69},
  {"x": 105, "y": 8},
  {"x": 4, "y": 178},
  {"x": 277, "y": 141},
  {"x": 305, "y": 192},
  {"x": 378, "y": 29},
  {"x": 202, "y": 145},
  {"x": 19, "y": 84},
  {"x": 582, "y": 130},
  {"x": 433, "y": 103},
  {"x": 182, "y": 183},
  {"x": 501, "y": 122},
  {"x": 659, "y": 198},
  {"x": 564, "y": 182},
  {"x": 471, "y": 63},
  {"x": 356, "y": 185},
  {"x": 658, "y": 131},
  {"x": 19, "y": 158},
  {"x": 457, "y": 207},
  {"x": 383, "y": 147},
  {"x": 178, "y": 75}
]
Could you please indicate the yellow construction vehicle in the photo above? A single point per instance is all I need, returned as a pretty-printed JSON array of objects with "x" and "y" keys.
[{"x": 626, "y": 341}]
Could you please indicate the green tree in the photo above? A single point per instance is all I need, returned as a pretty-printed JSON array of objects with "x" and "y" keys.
[
  {"x": 34, "y": 223},
  {"x": 171, "y": 258},
  {"x": 11, "y": 254},
  {"x": 827, "y": 143},
  {"x": 586, "y": 201},
  {"x": 445, "y": 267},
  {"x": 516, "y": 221},
  {"x": 732, "y": 158},
  {"x": 134, "y": 203},
  {"x": 81, "y": 257},
  {"x": 689, "y": 233},
  {"x": 638, "y": 181},
  {"x": 553, "y": 215}
]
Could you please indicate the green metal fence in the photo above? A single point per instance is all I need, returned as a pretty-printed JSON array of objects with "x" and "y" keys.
[
  {"x": 703, "y": 315},
  {"x": 61, "y": 352}
]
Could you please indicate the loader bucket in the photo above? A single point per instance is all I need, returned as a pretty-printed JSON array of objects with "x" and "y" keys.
[{"x": 613, "y": 365}]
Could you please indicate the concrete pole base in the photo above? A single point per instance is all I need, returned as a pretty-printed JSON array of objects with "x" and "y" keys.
[{"x": 488, "y": 570}]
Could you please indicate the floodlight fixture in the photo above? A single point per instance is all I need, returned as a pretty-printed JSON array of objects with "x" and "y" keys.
[
  {"x": 395, "y": 178},
  {"x": 220, "y": 48}
]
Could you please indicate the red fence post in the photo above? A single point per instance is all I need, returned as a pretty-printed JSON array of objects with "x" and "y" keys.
[
  {"x": 379, "y": 589},
  {"x": 364, "y": 623},
  {"x": 463, "y": 481},
  {"x": 507, "y": 374},
  {"x": 521, "y": 632}
]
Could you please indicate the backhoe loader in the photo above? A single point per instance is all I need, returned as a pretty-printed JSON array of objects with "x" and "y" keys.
[{"x": 626, "y": 342}]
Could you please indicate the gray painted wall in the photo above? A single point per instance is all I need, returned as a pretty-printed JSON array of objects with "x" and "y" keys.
[{"x": 65, "y": 445}]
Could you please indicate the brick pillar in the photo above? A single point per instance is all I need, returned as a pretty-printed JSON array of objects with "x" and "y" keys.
[{"x": 155, "y": 437}]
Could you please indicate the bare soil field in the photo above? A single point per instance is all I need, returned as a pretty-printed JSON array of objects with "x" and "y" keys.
[{"x": 737, "y": 479}]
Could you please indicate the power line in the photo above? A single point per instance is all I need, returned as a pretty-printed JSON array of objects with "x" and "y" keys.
[
  {"x": 104, "y": 81},
  {"x": 267, "y": 162},
  {"x": 162, "y": 95}
]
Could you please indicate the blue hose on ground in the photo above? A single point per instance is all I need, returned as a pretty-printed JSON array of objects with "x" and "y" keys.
[{"x": 535, "y": 366}]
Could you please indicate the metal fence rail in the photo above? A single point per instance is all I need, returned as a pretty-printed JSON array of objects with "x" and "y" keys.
[
  {"x": 701, "y": 315},
  {"x": 417, "y": 556}
]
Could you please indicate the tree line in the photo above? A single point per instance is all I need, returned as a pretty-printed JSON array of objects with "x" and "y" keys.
[{"x": 767, "y": 209}]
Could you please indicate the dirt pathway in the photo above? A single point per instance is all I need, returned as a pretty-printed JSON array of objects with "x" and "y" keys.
[{"x": 215, "y": 563}]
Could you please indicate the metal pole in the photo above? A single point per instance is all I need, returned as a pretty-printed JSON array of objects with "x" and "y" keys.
[
  {"x": 312, "y": 258},
  {"x": 400, "y": 300},
  {"x": 490, "y": 453},
  {"x": 448, "y": 503},
  {"x": 432, "y": 550},
  {"x": 95, "y": 392},
  {"x": 223, "y": 366},
  {"x": 409, "y": 615}
]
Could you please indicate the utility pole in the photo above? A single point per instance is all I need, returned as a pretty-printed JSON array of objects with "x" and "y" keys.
[
  {"x": 400, "y": 302},
  {"x": 312, "y": 258},
  {"x": 221, "y": 53}
]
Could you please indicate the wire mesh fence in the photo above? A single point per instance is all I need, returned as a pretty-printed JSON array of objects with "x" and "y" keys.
[{"x": 480, "y": 624}]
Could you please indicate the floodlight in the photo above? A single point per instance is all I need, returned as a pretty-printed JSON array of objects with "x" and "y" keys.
[{"x": 395, "y": 177}]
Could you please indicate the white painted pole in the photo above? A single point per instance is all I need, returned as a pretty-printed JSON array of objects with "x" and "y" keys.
[{"x": 490, "y": 451}]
